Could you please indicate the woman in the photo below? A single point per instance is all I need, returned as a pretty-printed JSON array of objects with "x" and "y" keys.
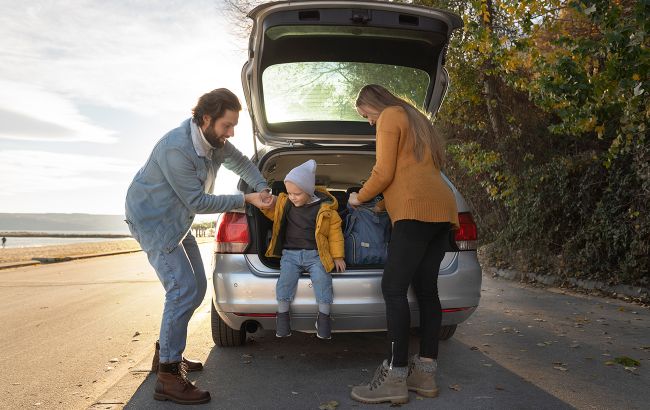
[{"x": 422, "y": 210}]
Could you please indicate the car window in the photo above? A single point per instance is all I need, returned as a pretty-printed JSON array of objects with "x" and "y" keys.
[{"x": 326, "y": 91}]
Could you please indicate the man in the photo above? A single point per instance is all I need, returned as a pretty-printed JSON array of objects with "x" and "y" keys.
[{"x": 172, "y": 187}]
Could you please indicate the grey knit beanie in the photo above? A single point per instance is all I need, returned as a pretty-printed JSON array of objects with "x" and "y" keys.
[{"x": 304, "y": 175}]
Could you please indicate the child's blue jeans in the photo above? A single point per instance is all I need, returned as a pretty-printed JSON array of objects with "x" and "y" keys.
[{"x": 292, "y": 264}]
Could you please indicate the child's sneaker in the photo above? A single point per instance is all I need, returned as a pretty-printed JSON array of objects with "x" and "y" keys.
[
  {"x": 283, "y": 324},
  {"x": 323, "y": 326}
]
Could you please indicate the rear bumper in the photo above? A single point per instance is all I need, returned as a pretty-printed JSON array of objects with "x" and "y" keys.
[{"x": 242, "y": 293}]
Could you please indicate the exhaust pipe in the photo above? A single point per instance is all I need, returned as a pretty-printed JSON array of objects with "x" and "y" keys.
[{"x": 251, "y": 326}]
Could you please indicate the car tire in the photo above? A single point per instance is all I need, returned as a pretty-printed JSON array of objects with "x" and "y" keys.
[
  {"x": 446, "y": 332},
  {"x": 223, "y": 335}
]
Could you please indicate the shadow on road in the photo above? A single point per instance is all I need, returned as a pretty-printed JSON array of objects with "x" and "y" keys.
[{"x": 303, "y": 372}]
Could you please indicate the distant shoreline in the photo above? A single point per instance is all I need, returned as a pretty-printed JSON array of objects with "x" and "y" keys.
[{"x": 62, "y": 235}]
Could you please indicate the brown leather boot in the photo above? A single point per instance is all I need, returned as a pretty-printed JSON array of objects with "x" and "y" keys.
[
  {"x": 191, "y": 365},
  {"x": 172, "y": 384}
]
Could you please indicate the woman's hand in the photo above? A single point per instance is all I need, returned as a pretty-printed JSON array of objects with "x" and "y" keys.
[
  {"x": 353, "y": 201},
  {"x": 340, "y": 264},
  {"x": 379, "y": 206}
]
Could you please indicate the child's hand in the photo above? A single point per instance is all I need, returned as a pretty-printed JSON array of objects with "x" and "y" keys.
[
  {"x": 267, "y": 198},
  {"x": 273, "y": 202},
  {"x": 270, "y": 202},
  {"x": 340, "y": 264}
]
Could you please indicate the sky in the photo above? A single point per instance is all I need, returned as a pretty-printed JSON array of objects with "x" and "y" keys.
[{"x": 88, "y": 87}]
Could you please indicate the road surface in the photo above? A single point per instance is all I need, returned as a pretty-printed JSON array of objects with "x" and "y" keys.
[{"x": 68, "y": 333}]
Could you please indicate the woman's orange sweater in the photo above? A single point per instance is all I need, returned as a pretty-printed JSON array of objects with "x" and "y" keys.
[{"x": 412, "y": 189}]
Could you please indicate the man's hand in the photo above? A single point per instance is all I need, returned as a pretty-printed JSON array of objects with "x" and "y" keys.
[
  {"x": 267, "y": 198},
  {"x": 340, "y": 264},
  {"x": 352, "y": 200},
  {"x": 260, "y": 200}
]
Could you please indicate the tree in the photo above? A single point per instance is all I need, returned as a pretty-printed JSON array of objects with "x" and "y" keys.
[
  {"x": 546, "y": 120},
  {"x": 203, "y": 228}
]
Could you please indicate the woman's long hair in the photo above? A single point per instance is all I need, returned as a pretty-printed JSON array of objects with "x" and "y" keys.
[{"x": 424, "y": 137}]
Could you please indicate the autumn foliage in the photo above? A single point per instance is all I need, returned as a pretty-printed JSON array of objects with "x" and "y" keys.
[{"x": 546, "y": 121}]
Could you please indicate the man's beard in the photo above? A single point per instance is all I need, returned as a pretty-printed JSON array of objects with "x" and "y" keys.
[{"x": 212, "y": 137}]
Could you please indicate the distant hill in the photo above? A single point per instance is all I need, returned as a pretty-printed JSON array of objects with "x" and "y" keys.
[{"x": 63, "y": 223}]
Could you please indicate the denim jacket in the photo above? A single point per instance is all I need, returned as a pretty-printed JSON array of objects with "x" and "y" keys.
[{"x": 168, "y": 191}]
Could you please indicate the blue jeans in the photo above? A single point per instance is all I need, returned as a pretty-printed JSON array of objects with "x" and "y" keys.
[
  {"x": 182, "y": 275},
  {"x": 292, "y": 264}
]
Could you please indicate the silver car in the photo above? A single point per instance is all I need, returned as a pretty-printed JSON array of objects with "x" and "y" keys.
[{"x": 307, "y": 60}]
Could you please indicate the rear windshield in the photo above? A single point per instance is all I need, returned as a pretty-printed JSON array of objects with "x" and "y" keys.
[{"x": 326, "y": 91}]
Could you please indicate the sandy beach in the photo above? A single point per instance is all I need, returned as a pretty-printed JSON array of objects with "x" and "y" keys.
[{"x": 73, "y": 250}]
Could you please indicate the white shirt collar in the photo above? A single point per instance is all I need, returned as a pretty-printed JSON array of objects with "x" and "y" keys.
[{"x": 201, "y": 145}]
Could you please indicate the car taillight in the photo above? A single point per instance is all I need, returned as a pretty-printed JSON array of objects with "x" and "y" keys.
[
  {"x": 232, "y": 233},
  {"x": 466, "y": 236}
]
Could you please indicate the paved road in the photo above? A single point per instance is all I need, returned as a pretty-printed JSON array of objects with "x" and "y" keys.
[
  {"x": 524, "y": 348},
  {"x": 67, "y": 329}
]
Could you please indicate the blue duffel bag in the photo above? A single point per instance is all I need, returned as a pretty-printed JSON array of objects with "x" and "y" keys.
[{"x": 366, "y": 235}]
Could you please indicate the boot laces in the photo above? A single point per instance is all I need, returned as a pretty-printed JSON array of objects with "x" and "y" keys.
[
  {"x": 379, "y": 377},
  {"x": 182, "y": 374}
]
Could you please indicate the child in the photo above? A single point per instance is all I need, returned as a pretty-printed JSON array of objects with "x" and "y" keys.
[{"x": 307, "y": 236}]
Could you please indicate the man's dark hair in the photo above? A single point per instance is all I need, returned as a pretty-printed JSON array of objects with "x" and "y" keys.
[{"x": 215, "y": 103}]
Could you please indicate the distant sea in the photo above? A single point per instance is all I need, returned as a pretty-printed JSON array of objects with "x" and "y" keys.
[
  {"x": 14, "y": 242},
  {"x": 26, "y": 230}
]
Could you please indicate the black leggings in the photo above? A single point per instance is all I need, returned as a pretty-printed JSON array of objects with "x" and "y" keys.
[{"x": 414, "y": 254}]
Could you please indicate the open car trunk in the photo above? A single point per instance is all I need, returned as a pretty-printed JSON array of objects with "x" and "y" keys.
[
  {"x": 341, "y": 171},
  {"x": 308, "y": 59}
]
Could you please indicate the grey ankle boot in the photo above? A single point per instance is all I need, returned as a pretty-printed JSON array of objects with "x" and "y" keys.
[
  {"x": 323, "y": 326},
  {"x": 387, "y": 385},
  {"x": 422, "y": 377},
  {"x": 283, "y": 324}
]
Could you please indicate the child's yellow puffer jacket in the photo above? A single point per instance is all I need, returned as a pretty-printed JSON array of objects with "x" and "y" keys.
[{"x": 329, "y": 236}]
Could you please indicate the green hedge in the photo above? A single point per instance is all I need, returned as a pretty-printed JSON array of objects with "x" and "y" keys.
[{"x": 547, "y": 133}]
